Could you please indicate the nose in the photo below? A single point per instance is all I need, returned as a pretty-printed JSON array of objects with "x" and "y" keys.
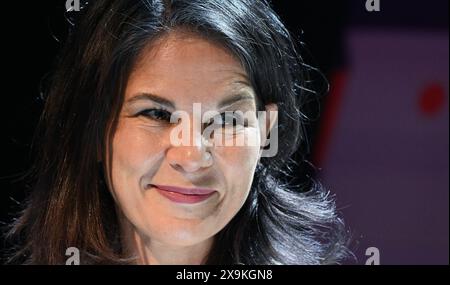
[{"x": 190, "y": 158}]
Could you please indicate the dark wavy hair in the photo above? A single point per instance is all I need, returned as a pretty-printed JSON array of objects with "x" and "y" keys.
[{"x": 70, "y": 204}]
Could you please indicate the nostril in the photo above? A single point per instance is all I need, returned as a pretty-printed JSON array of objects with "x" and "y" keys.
[{"x": 176, "y": 166}]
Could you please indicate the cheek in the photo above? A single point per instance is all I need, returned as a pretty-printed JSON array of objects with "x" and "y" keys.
[
  {"x": 136, "y": 152},
  {"x": 238, "y": 160},
  {"x": 132, "y": 146},
  {"x": 238, "y": 164},
  {"x": 241, "y": 158},
  {"x": 136, "y": 147}
]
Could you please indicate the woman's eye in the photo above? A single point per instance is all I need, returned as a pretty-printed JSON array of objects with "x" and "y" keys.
[
  {"x": 156, "y": 114},
  {"x": 229, "y": 120}
]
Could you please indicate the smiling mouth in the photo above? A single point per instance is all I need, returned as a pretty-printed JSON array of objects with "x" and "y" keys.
[{"x": 184, "y": 195}]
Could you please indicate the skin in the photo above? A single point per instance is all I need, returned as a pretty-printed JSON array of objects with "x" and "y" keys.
[{"x": 183, "y": 69}]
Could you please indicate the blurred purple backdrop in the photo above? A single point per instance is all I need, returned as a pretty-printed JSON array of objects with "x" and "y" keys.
[{"x": 387, "y": 132}]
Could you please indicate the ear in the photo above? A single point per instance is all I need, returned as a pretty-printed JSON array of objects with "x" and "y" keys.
[{"x": 271, "y": 117}]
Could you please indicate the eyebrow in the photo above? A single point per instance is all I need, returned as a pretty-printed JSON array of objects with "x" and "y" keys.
[
  {"x": 236, "y": 97},
  {"x": 155, "y": 98}
]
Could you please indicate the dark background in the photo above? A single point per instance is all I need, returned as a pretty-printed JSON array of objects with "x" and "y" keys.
[{"x": 382, "y": 141}]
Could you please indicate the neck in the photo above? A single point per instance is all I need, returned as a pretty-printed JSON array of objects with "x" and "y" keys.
[{"x": 148, "y": 251}]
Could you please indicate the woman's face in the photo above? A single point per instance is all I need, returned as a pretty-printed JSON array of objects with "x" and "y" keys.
[{"x": 172, "y": 75}]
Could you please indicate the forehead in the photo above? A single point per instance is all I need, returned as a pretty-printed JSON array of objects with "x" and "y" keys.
[{"x": 184, "y": 66}]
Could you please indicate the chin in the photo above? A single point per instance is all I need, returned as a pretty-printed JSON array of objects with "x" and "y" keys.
[{"x": 185, "y": 237}]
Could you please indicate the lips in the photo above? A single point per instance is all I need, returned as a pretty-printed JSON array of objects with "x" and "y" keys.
[{"x": 184, "y": 195}]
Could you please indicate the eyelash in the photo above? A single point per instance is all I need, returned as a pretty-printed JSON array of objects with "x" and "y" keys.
[
  {"x": 163, "y": 115},
  {"x": 235, "y": 121},
  {"x": 156, "y": 114}
]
